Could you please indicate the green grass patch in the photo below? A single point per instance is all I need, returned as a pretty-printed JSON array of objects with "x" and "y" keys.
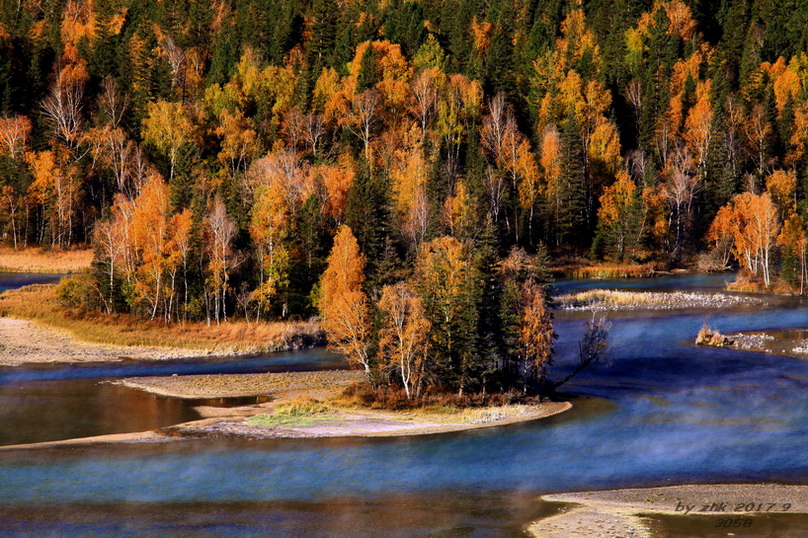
[{"x": 298, "y": 413}]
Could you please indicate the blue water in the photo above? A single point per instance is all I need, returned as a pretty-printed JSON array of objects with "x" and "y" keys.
[
  {"x": 663, "y": 412},
  {"x": 11, "y": 281},
  {"x": 687, "y": 281},
  {"x": 309, "y": 359}
]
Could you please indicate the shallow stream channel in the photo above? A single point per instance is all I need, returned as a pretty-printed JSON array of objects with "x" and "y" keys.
[{"x": 663, "y": 412}]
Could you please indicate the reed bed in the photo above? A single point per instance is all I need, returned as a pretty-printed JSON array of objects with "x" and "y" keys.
[
  {"x": 38, "y": 303},
  {"x": 39, "y": 260},
  {"x": 647, "y": 300},
  {"x": 606, "y": 271}
]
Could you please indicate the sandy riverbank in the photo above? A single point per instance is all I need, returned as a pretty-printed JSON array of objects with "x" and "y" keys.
[
  {"x": 270, "y": 420},
  {"x": 39, "y": 303},
  {"x": 26, "y": 342},
  {"x": 633, "y": 512}
]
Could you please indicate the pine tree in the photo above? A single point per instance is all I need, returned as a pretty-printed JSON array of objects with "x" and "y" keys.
[{"x": 572, "y": 212}]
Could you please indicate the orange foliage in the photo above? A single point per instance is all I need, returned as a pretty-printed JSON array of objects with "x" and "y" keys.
[
  {"x": 535, "y": 329},
  {"x": 55, "y": 187},
  {"x": 410, "y": 176},
  {"x": 239, "y": 140},
  {"x": 78, "y": 21},
  {"x": 698, "y": 125},
  {"x": 269, "y": 229},
  {"x": 337, "y": 180},
  {"x": 343, "y": 305},
  {"x": 457, "y": 213},
  {"x": 786, "y": 83},
  {"x": 794, "y": 237},
  {"x": 782, "y": 187},
  {"x": 751, "y": 222},
  {"x": 481, "y": 34}
]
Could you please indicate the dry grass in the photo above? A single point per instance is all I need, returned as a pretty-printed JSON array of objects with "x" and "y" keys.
[
  {"x": 710, "y": 337},
  {"x": 299, "y": 412},
  {"x": 38, "y": 303},
  {"x": 606, "y": 270},
  {"x": 626, "y": 300},
  {"x": 39, "y": 260},
  {"x": 744, "y": 284},
  {"x": 433, "y": 401},
  {"x": 322, "y": 384}
]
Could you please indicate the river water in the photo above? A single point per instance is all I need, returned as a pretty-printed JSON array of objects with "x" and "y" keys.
[{"x": 664, "y": 412}]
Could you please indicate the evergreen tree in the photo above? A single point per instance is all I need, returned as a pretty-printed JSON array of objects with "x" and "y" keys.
[{"x": 572, "y": 213}]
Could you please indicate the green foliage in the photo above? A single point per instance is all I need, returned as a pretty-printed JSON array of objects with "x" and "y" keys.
[{"x": 78, "y": 291}]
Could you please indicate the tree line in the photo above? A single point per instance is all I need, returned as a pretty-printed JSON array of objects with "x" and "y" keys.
[{"x": 211, "y": 152}]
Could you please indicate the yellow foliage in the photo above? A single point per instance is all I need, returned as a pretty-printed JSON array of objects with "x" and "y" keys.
[
  {"x": 787, "y": 83},
  {"x": 617, "y": 199},
  {"x": 343, "y": 305},
  {"x": 78, "y": 21},
  {"x": 782, "y": 187}
]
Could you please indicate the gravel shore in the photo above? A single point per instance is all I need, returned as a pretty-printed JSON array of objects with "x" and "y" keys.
[{"x": 25, "y": 342}]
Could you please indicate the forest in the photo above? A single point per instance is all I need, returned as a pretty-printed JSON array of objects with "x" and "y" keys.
[{"x": 405, "y": 169}]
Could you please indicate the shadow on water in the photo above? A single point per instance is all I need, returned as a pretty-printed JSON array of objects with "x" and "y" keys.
[
  {"x": 446, "y": 514},
  {"x": 49, "y": 411}
]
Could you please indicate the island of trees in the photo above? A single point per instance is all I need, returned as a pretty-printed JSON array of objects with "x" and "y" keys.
[{"x": 405, "y": 169}]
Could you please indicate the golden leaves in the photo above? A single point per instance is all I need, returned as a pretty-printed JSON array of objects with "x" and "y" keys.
[
  {"x": 617, "y": 200},
  {"x": 343, "y": 305}
]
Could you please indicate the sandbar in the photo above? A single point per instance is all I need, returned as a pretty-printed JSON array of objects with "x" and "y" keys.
[{"x": 629, "y": 512}]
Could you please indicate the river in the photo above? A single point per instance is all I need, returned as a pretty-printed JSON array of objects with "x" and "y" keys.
[{"x": 664, "y": 412}]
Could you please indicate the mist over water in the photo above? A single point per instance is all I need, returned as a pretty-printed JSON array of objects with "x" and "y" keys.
[{"x": 664, "y": 412}]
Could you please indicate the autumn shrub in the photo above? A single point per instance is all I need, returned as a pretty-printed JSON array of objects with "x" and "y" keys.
[
  {"x": 79, "y": 291},
  {"x": 710, "y": 337},
  {"x": 747, "y": 282}
]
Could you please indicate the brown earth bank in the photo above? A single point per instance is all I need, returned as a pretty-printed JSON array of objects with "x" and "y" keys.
[
  {"x": 39, "y": 260},
  {"x": 302, "y": 405},
  {"x": 664, "y": 511}
]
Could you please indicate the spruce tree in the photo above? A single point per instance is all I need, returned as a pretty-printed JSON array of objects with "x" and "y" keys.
[{"x": 572, "y": 213}]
